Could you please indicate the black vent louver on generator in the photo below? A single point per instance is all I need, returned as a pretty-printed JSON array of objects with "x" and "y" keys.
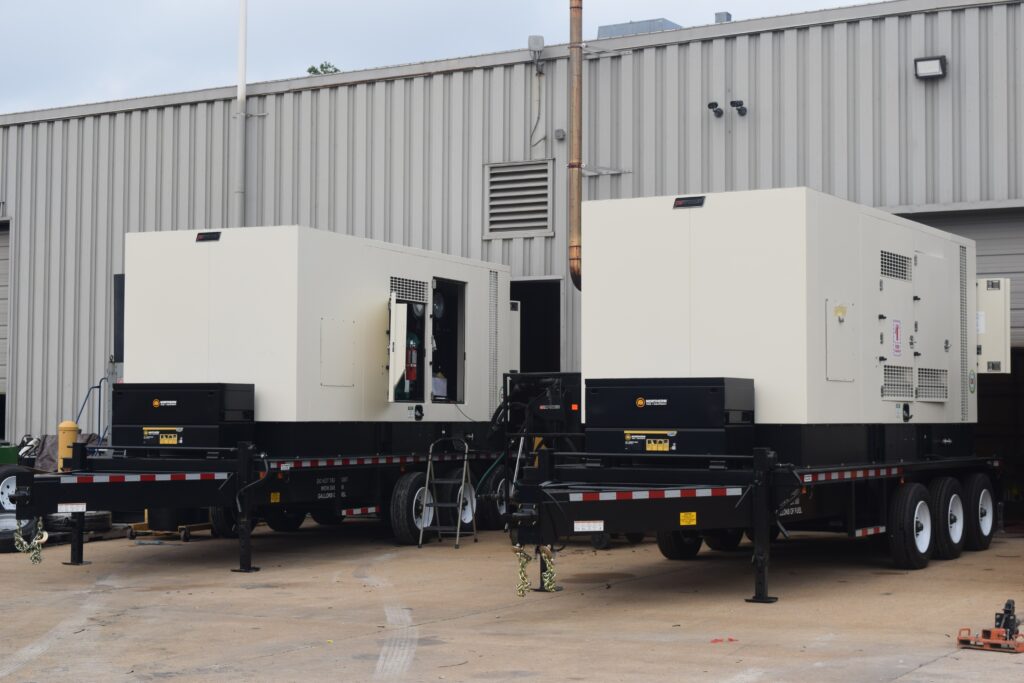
[{"x": 519, "y": 196}]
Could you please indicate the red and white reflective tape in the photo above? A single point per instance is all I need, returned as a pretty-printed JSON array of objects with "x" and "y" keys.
[
  {"x": 354, "y": 512},
  {"x": 285, "y": 465},
  {"x": 849, "y": 475},
  {"x": 134, "y": 478},
  {"x": 655, "y": 494},
  {"x": 869, "y": 531}
]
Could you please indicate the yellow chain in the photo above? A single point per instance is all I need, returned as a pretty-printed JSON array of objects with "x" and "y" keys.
[
  {"x": 548, "y": 575},
  {"x": 35, "y": 547},
  {"x": 524, "y": 581}
]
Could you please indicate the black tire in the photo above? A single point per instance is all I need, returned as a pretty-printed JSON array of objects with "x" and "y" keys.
[
  {"x": 600, "y": 541},
  {"x": 979, "y": 511},
  {"x": 489, "y": 509},
  {"x": 635, "y": 537},
  {"x": 327, "y": 517},
  {"x": 224, "y": 522},
  {"x": 725, "y": 540},
  {"x": 773, "y": 533},
  {"x": 945, "y": 498},
  {"x": 284, "y": 520},
  {"x": 8, "y": 519},
  {"x": 403, "y": 513},
  {"x": 675, "y": 545},
  {"x": 910, "y": 525}
]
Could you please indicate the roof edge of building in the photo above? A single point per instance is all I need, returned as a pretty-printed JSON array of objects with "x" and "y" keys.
[{"x": 597, "y": 47}]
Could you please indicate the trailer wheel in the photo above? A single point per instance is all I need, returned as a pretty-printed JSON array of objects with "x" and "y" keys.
[
  {"x": 675, "y": 545},
  {"x": 635, "y": 537},
  {"x": 980, "y": 511},
  {"x": 411, "y": 507},
  {"x": 283, "y": 520},
  {"x": 224, "y": 522},
  {"x": 600, "y": 541},
  {"x": 946, "y": 501},
  {"x": 910, "y": 527},
  {"x": 327, "y": 517},
  {"x": 492, "y": 502},
  {"x": 725, "y": 540},
  {"x": 450, "y": 492},
  {"x": 8, "y": 517}
]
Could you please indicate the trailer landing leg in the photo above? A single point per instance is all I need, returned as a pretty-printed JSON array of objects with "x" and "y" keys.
[
  {"x": 762, "y": 518},
  {"x": 246, "y": 453},
  {"x": 77, "y": 539}
]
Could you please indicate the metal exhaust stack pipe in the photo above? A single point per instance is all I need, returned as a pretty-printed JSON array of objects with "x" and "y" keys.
[{"x": 575, "y": 141}]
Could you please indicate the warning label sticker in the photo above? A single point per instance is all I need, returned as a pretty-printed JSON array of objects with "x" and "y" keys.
[
  {"x": 687, "y": 519},
  {"x": 897, "y": 338}
]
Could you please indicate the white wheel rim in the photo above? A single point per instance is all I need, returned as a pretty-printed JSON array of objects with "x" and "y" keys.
[
  {"x": 7, "y": 487},
  {"x": 8, "y": 521},
  {"x": 468, "y": 508},
  {"x": 502, "y": 500},
  {"x": 955, "y": 518},
  {"x": 985, "y": 509},
  {"x": 922, "y": 527},
  {"x": 423, "y": 508}
]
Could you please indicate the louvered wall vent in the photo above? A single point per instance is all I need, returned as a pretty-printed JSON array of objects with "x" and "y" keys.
[{"x": 519, "y": 198}]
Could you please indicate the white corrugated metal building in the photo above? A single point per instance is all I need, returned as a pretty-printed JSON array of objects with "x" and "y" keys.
[{"x": 419, "y": 154}]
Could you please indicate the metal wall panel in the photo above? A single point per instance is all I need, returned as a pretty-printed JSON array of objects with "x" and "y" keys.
[
  {"x": 5, "y": 305},
  {"x": 399, "y": 153},
  {"x": 1000, "y": 238}
]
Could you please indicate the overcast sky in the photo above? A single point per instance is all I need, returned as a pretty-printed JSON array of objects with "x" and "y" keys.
[{"x": 61, "y": 52}]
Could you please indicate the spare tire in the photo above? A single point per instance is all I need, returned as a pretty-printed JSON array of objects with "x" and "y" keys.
[{"x": 8, "y": 519}]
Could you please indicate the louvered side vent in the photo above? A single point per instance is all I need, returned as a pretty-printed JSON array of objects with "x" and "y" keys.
[
  {"x": 896, "y": 266},
  {"x": 932, "y": 384},
  {"x": 409, "y": 290},
  {"x": 492, "y": 341},
  {"x": 964, "y": 411},
  {"x": 518, "y": 197},
  {"x": 898, "y": 382}
]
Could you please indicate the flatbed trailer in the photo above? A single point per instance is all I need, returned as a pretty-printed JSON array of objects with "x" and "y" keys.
[
  {"x": 688, "y": 500},
  {"x": 242, "y": 482}
]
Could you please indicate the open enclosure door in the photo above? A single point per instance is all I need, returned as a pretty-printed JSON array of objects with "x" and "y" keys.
[
  {"x": 396, "y": 345},
  {"x": 993, "y": 325}
]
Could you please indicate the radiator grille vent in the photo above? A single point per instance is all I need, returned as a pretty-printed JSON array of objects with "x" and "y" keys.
[
  {"x": 932, "y": 384},
  {"x": 898, "y": 382},
  {"x": 409, "y": 290},
  {"x": 896, "y": 266},
  {"x": 963, "y": 335},
  {"x": 518, "y": 196}
]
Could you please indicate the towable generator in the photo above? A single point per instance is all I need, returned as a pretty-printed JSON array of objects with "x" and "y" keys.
[
  {"x": 280, "y": 372},
  {"x": 763, "y": 362}
]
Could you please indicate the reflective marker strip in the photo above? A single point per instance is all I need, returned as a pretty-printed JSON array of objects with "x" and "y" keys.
[
  {"x": 869, "y": 531},
  {"x": 133, "y": 478},
  {"x": 353, "y": 512},
  {"x": 848, "y": 475},
  {"x": 285, "y": 465},
  {"x": 655, "y": 494}
]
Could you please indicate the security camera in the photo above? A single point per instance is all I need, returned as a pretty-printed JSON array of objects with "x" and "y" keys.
[
  {"x": 715, "y": 109},
  {"x": 738, "y": 106}
]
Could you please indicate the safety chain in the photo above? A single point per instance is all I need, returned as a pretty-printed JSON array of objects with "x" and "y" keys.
[
  {"x": 524, "y": 559},
  {"x": 34, "y": 548},
  {"x": 547, "y": 576}
]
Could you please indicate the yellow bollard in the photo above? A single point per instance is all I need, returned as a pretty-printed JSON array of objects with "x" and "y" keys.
[{"x": 67, "y": 435}]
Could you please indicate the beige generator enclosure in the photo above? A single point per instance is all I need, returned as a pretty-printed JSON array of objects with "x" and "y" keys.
[
  {"x": 841, "y": 314},
  {"x": 329, "y": 328}
]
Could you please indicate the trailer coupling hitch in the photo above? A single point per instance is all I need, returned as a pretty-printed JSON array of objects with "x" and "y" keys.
[{"x": 524, "y": 517}]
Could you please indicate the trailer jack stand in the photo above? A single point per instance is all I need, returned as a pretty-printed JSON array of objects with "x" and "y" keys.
[
  {"x": 246, "y": 454},
  {"x": 77, "y": 540},
  {"x": 764, "y": 460}
]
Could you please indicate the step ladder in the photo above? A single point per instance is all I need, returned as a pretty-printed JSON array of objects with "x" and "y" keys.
[{"x": 458, "y": 506}]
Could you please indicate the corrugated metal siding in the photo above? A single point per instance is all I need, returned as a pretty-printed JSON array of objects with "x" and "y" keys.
[
  {"x": 1000, "y": 238},
  {"x": 5, "y": 307},
  {"x": 832, "y": 106}
]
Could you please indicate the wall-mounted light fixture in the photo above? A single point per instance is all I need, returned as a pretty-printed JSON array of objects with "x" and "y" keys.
[
  {"x": 715, "y": 109},
  {"x": 930, "y": 67},
  {"x": 738, "y": 106},
  {"x": 536, "y": 45}
]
